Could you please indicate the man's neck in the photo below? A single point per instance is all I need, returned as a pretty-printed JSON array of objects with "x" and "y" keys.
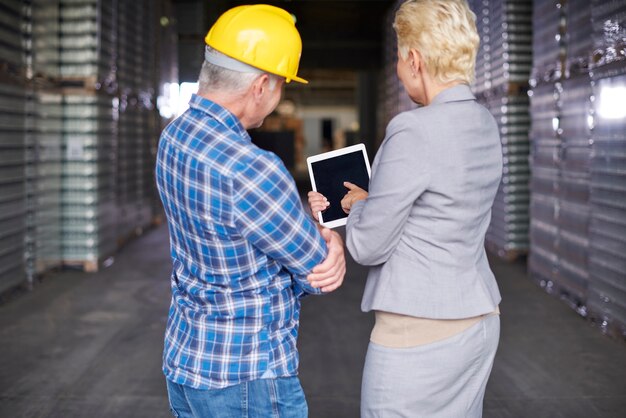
[{"x": 234, "y": 104}]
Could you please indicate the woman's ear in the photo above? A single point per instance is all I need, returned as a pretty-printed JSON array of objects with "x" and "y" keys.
[{"x": 415, "y": 60}]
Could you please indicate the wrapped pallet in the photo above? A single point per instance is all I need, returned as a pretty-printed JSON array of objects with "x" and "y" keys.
[{"x": 503, "y": 65}]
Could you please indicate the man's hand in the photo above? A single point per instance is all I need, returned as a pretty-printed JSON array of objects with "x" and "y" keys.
[
  {"x": 329, "y": 275},
  {"x": 317, "y": 203}
]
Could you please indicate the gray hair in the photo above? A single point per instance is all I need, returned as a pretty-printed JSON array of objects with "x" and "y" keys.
[{"x": 215, "y": 77}]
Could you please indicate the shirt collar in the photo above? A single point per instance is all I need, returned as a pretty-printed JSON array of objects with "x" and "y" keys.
[
  {"x": 219, "y": 113},
  {"x": 457, "y": 93}
]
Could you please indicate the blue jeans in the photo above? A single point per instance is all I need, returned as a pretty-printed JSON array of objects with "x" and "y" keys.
[{"x": 281, "y": 397}]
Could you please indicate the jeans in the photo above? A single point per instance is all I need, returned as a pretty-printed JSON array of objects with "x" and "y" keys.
[{"x": 280, "y": 397}]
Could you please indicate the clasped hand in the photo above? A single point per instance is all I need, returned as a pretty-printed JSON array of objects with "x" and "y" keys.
[
  {"x": 329, "y": 275},
  {"x": 319, "y": 203}
]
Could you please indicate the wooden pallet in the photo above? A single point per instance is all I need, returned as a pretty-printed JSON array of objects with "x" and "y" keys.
[
  {"x": 13, "y": 77},
  {"x": 18, "y": 71},
  {"x": 44, "y": 266},
  {"x": 516, "y": 89},
  {"x": 90, "y": 83},
  {"x": 507, "y": 89},
  {"x": 88, "y": 266}
]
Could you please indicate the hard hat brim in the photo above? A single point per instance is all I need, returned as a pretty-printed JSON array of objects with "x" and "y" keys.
[{"x": 298, "y": 79}]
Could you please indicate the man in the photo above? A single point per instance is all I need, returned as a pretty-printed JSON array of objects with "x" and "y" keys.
[{"x": 242, "y": 247}]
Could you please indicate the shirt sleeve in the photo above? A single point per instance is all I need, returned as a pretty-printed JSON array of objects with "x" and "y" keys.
[
  {"x": 400, "y": 176},
  {"x": 269, "y": 214}
]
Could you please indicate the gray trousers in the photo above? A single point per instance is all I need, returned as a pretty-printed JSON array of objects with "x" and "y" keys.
[{"x": 444, "y": 379}]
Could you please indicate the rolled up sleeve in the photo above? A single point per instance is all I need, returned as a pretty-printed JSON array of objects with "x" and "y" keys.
[{"x": 269, "y": 214}]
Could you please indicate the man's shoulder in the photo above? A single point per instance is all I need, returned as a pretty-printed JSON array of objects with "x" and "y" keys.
[{"x": 210, "y": 145}]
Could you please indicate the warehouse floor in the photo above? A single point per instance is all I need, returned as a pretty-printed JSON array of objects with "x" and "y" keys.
[{"x": 90, "y": 346}]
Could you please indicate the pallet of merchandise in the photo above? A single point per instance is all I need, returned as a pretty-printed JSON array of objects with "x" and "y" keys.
[
  {"x": 45, "y": 266},
  {"x": 12, "y": 71},
  {"x": 13, "y": 78},
  {"x": 573, "y": 294},
  {"x": 12, "y": 184},
  {"x": 511, "y": 88},
  {"x": 77, "y": 85},
  {"x": 88, "y": 266}
]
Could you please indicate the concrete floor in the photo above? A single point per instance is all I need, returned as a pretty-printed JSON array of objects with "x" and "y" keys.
[{"x": 90, "y": 346}]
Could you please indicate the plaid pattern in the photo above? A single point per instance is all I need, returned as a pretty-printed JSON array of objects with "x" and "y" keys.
[{"x": 241, "y": 246}]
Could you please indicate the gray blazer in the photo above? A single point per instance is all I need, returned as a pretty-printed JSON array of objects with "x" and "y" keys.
[{"x": 422, "y": 227}]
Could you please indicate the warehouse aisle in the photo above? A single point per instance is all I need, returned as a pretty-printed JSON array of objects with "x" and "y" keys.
[{"x": 90, "y": 346}]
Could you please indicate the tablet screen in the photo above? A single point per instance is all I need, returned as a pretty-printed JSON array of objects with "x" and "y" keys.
[{"x": 329, "y": 175}]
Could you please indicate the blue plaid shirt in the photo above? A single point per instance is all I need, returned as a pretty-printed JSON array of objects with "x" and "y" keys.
[{"x": 241, "y": 246}]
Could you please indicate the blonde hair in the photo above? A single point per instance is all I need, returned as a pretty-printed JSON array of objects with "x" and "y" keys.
[{"x": 444, "y": 33}]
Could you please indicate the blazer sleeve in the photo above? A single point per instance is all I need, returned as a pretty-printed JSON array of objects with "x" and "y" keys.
[{"x": 401, "y": 175}]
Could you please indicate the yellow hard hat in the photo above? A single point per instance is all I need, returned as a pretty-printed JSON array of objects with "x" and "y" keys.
[{"x": 259, "y": 35}]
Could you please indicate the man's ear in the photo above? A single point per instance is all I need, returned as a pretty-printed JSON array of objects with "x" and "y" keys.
[{"x": 260, "y": 86}]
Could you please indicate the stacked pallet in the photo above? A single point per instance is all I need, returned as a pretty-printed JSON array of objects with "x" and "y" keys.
[
  {"x": 12, "y": 185},
  {"x": 572, "y": 206},
  {"x": 13, "y": 150},
  {"x": 95, "y": 64},
  {"x": 503, "y": 65},
  {"x": 575, "y": 131},
  {"x": 561, "y": 147},
  {"x": 45, "y": 180},
  {"x": 507, "y": 235},
  {"x": 87, "y": 187},
  {"x": 78, "y": 131},
  {"x": 577, "y": 218},
  {"x": 137, "y": 135},
  {"x": 73, "y": 60},
  {"x": 548, "y": 62},
  {"x": 607, "y": 227},
  {"x": 74, "y": 40}
]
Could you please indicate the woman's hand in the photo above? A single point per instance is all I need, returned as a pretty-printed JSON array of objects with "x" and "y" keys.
[
  {"x": 354, "y": 195},
  {"x": 317, "y": 203}
]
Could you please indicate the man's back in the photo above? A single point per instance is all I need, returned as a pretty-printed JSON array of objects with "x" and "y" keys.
[{"x": 238, "y": 236}]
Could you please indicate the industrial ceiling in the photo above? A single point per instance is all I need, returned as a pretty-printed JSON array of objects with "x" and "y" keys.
[{"x": 337, "y": 35}]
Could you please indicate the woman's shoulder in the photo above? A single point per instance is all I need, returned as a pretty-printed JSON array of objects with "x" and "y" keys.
[
  {"x": 410, "y": 124},
  {"x": 406, "y": 133},
  {"x": 413, "y": 119}
]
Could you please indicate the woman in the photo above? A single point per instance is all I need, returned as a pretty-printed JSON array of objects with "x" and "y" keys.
[{"x": 422, "y": 226}]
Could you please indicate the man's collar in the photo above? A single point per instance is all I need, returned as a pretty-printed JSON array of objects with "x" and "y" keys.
[{"x": 219, "y": 113}]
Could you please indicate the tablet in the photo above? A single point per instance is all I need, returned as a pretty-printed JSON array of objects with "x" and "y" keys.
[{"x": 329, "y": 170}]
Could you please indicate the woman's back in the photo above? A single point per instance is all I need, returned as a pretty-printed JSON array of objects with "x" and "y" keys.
[
  {"x": 465, "y": 162},
  {"x": 423, "y": 224}
]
